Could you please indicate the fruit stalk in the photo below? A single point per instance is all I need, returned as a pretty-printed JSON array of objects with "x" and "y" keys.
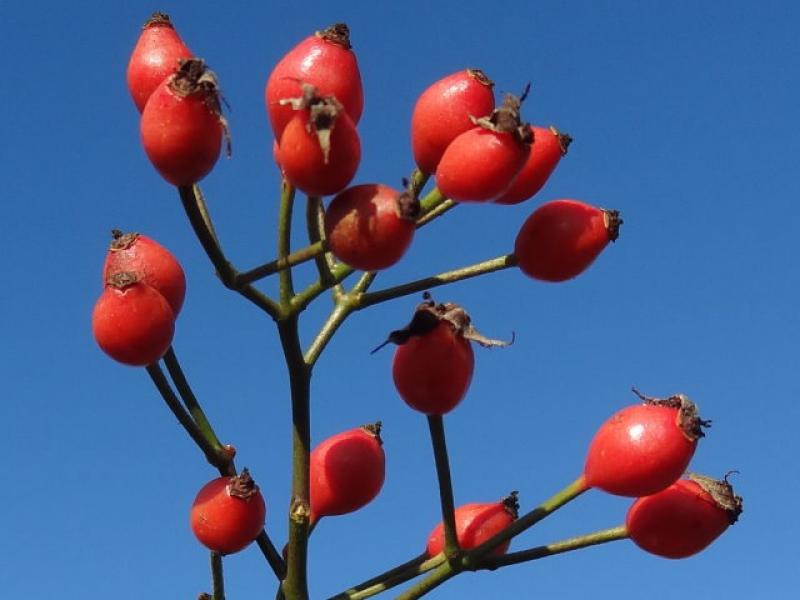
[
  {"x": 436, "y": 427},
  {"x": 217, "y": 580},
  {"x": 603, "y": 536},
  {"x": 528, "y": 520},
  {"x": 413, "y": 287},
  {"x": 194, "y": 206}
]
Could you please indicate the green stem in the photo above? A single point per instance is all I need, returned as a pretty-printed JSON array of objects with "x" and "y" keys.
[
  {"x": 528, "y": 520},
  {"x": 197, "y": 213},
  {"x": 295, "y": 258},
  {"x": 575, "y": 543},
  {"x": 441, "y": 574},
  {"x": 295, "y": 586},
  {"x": 161, "y": 383},
  {"x": 284, "y": 242},
  {"x": 304, "y": 298},
  {"x": 217, "y": 580},
  {"x": 417, "y": 181},
  {"x": 190, "y": 400},
  {"x": 436, "y": 427},
  {"x": 431, "y": 200},
  {"x": 272, "y": 555},
  {"x": 200, "y": 221},
  {"x": 344, "y": 307},
  {"x": 393, "y": 578},
  {"x": 408, "y": 566},
  {"x": 413, "y": 287},
  {"x": 435, "y": 212},
  {"x": 315, "y": 223}
]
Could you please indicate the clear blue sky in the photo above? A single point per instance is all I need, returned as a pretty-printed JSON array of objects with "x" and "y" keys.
[{"x": 684, "y": 116}]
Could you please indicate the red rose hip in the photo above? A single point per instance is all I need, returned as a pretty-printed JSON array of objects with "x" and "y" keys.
[{"x": 228, "y": 513}]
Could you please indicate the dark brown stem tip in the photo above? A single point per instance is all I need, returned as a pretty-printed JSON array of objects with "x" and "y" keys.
[
  {"x": 511, "y": 504},
  {"x": 205, "y": 596},
  {"x": 688, "y": 418},
  {"x": 158, "y": 18},
  {"x": 338, "y": 33},
  {"x": 242, "y": 486},
  {"x": 374, "y": 429},
  {"x": 613, "y": 223},
  {"x": 481, "y": 77},
  {"x": 722, "y": 493}
]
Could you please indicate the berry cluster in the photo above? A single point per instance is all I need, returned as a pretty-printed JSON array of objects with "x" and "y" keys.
[{"x": 474, "y": 152}]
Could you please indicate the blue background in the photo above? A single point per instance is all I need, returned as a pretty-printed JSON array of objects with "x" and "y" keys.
[{"x": 684, "y": 116}]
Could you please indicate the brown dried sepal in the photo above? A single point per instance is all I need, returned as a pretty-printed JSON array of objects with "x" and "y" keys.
[
  {"x": 193, "y": 77},
  {"x": 122, "y": 279},
  {"x": 158, "y": 18},
  {"x": 322, "y": 114},
  {"x": 242, "y": 486},
  {"x": 481, "y": 77},
  {"x": 564, "y": 139},
  {"x": 427, "y": 316},
  {"x": 688, "y": 419},
  {"x": 122, "y": 241},
  {"x": 338, "y": 33},
  {"x": 408, "y": 206},
  {"x": 612, "y": 222},
  {"x": 506, "y": 119},
  {"x": 511, "y": 504},
  {"x": 374, "y": 429},
  {"x": 722, "y": 493}
]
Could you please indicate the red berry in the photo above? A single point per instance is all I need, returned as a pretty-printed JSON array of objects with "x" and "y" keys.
[
  {"x": 182, "y": 125},
  {"x": 562, "y": 238},
  {"x": 324, "y": 60},
  {"x": 154, "y": 58},
  {"x": 476, "y": 523},
  {"x": 443, "y": 112},
  {"x": 132, "y": 322},
  {"x": 432, "y": 372},
  {"x": 685, "y": 518},
  {"x": 347, "y": 471},
  {"x": 481, "y": 163},
  {"x": 320, "y": 151},
  {"x": 153, "y": 265},
  {"x": 433, "y": 363},
  {"x": 370, "y": 226},
  {"x": 547, "y": 149},
  {"x": 642, "y": 449},
  {"x": 228, "y": 513}
]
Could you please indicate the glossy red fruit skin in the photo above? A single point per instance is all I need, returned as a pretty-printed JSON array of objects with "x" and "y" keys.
[
  {"x": 562, "y": 238},
  {"x": 133, "y": 325},
  {"x": 639, "y": 451},
  {"x": 347, "y": 472},
  {"x": 677, "y": 522},
  {"x": 152, "y": 263},
  {"x": 442, "y": 113},
  {"x": 154, "y": 58},
  {"x": 475, "y": 523},
  {"x": 181, "y": 136},
  {"x": 480, "y": 165},
  {"x": 329, "y": 66},
  {"x": 223, "y": 522},
  {"x": 546, "y": 152},
  {"x": 364, "y": 227},
  {"x": 432, "y": 372},
  {"x": 302, "y": 160}
]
